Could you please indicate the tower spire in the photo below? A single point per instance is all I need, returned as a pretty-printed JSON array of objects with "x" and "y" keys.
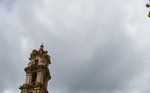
[{"x": 37, "y": 72}]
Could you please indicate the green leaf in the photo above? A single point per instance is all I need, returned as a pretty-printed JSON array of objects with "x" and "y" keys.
[
  {"x": 147, "y": 5},
  {"x": 149, "y": 14}
]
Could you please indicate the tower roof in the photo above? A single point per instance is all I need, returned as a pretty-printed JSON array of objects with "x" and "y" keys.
[{"x": 41, "y": 53}]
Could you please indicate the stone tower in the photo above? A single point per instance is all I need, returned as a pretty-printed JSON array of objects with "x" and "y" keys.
[{"x": 37, "y": 72}]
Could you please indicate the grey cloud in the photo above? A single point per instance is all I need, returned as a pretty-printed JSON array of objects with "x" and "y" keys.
[
  {"x": 94, "y": 44},
  {"x": 113, "y": 65}
]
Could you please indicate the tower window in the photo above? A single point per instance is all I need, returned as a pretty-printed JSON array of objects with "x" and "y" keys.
[
  {"x": 34, "y": 76},
  {"x": 36, "y": 62}
]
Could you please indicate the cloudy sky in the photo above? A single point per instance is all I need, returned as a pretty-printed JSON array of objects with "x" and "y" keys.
[{"x": 96, "y": 46}]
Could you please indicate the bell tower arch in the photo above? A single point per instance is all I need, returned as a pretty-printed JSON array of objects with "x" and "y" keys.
[{"x": 37, "y": 72}]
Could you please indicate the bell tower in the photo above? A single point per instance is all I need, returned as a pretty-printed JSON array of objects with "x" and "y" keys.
[{"x": 37, "y": 72}]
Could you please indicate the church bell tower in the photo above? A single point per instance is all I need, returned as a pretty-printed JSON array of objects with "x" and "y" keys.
[{"x": 37, "y": 72}]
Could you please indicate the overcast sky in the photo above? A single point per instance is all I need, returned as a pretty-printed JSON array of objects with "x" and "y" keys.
[{"x": 96, "y": 46}]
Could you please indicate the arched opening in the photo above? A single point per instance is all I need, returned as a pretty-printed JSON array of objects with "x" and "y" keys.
[
  {"x": 34, "y": 76},
  {"x": 36, "y": 62}
]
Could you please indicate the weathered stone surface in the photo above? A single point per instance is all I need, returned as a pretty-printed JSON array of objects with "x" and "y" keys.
[{"x": 37, "y": 72}]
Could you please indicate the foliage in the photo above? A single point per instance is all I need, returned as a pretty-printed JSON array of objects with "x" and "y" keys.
[
  {"x": 147, "y": 5},
  {"x": 149, "y": 14}
]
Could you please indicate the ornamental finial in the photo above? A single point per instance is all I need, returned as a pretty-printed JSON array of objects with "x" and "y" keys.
[{"x": 41, "y": 47}]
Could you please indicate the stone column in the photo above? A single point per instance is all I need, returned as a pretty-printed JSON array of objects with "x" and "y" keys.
[{"x": 28, "y": 77}]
